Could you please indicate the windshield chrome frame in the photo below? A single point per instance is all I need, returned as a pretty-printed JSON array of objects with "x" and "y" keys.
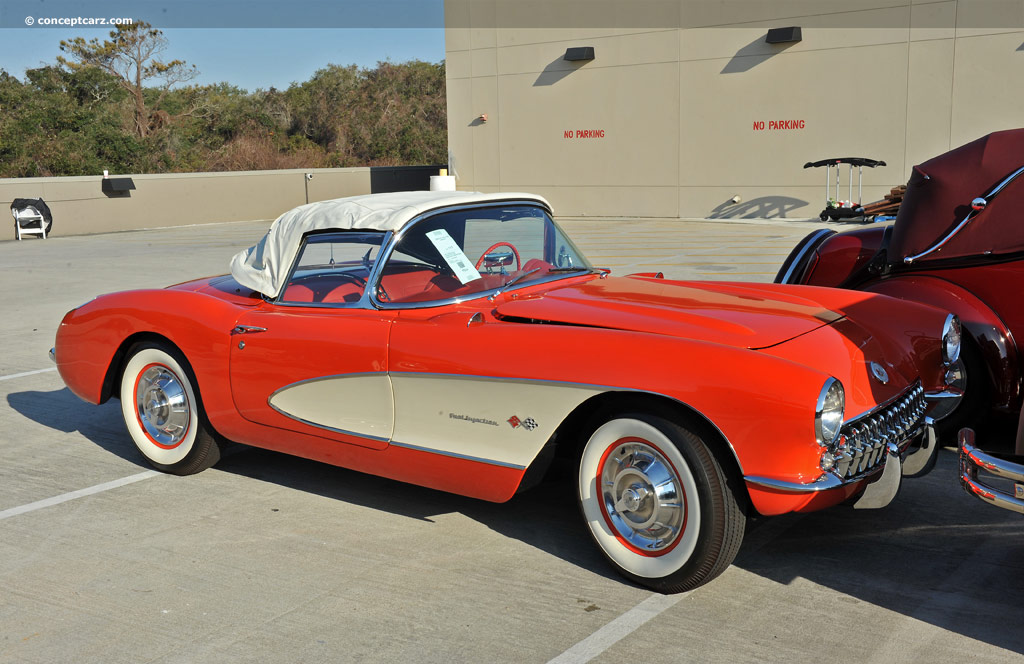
[{"x": 392, "y": 242}]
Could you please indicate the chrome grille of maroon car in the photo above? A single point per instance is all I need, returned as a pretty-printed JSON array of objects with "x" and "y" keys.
[{"x": 863, "y": 442}]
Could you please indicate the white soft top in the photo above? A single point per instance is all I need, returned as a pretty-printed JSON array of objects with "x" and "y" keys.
[{"x": 264, "y": 267}]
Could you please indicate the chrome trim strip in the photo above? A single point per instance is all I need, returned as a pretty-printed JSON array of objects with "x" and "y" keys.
[
  {"x": 949, "y": 393},
  {"x": 535, "y": 381},
  {"x": 327, "y": 428},
  {"x": 812, "y": 243},
  {"x": 358, "y": 374},
  {"x": 596, "y": 386},
  {"x": 324, "y": 426},
  {"x": 978, "y": 205},
  {"x": 454, "y": 455},
  {"x": 826, "y": 482},
  {"x": 973, "y": 460}
]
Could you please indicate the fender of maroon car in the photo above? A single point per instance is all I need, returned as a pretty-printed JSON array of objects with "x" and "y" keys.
[
  {"x": 845, "y": 260},
  {"x": 761, "y": 402}
]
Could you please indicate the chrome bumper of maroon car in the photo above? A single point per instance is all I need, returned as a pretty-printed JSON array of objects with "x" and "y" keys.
[{"x": 989, "y": 478}]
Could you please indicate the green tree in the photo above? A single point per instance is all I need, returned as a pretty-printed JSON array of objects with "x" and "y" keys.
[{"x": 131, "y": 57}]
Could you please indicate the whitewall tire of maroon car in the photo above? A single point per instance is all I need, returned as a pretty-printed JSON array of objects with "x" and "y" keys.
[
  {"x": 162, "y": 411},
  {"x": 657, "y": 503}
]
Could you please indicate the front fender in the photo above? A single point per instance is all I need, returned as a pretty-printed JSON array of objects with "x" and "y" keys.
[
  {"x": 978, "y": 319},
  {"x": 89, "y": 337}
]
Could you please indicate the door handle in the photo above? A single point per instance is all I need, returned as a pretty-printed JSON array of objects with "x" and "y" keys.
[{"x": 247, "y": 329}]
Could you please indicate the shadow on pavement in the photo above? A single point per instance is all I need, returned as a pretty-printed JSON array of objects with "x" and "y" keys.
[{"x": 934, "y": 555}]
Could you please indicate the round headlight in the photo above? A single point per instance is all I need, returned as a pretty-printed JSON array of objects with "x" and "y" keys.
[
  {"x": 828, "y": 415},
  {"x": 951, "y": 337}
]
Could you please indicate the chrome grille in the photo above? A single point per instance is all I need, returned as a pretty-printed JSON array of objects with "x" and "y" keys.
[{"x": 863, "y": 442}]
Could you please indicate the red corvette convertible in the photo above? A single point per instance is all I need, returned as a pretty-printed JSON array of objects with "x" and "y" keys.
[
  {"x": 957, "y": 243},
  {"x": 461, "y": 341}
]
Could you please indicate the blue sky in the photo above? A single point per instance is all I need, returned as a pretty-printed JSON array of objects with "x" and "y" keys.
[{"x": 243, "y": 46}]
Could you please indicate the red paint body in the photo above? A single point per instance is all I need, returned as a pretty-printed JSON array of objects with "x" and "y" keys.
[{"x": 689, "y": 343}]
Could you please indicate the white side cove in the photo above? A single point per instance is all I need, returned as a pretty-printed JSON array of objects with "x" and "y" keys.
[
  {"x": 503, "y": 421},
  {"x": 359, "y": 404}
]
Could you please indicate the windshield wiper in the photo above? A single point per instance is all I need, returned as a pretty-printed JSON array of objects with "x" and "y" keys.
[
  {"x": 514, "y": 280},
  {"x": 571, "y": 268}
]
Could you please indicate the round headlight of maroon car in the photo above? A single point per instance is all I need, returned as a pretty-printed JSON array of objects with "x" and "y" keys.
[
  {"x": 828, "y": 415},
  {"x": 951, "y": 338}
]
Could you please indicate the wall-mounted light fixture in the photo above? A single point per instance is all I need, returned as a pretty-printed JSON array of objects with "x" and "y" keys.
[
  {"x": 784, "y": 35},
  {"x": 482, "y": 117},
  {"x": 578, "y": 53}
]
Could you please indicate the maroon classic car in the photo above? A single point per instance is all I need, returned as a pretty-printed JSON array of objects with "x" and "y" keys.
[{"x": 957, "y": 243}]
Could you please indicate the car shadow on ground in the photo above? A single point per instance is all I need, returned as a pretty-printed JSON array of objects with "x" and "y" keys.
[
  {"x": 935, "y": 555},
  {"x": 63, "y": 411}
]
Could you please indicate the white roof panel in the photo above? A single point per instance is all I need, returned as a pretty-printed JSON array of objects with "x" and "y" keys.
[{"x": 264, "y": 267}]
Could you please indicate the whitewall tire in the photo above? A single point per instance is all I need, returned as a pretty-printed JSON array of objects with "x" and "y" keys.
[
  {"x": 657, "y": 503},
  {"x": 162, "y": 411}
]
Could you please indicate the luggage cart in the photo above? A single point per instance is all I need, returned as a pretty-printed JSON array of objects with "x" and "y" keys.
[{"x": 836, "y": 209}]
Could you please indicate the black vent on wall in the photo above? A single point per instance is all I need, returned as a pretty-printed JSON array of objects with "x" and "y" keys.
[
  {"x": 577, "y": 53},
  {"x": 784, "y": 35}
]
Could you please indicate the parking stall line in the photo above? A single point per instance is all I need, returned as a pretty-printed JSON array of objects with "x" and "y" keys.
[
  {"x": 28, "y": 373},
  {"x": 618, "y": 629},
  {"x": 72, "y": 495}
]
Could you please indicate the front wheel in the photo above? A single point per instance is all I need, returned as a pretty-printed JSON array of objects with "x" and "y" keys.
[
  {"x": 657, "y": 503},
  {"x": 162, "y": 411}
]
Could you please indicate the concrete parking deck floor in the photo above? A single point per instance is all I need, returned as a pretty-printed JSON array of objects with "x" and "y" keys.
[{"x": 268, "y": 558}]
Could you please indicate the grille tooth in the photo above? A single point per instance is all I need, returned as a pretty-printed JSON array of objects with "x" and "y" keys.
[
  {"x": 843, "y": 463},
  {"x": 858, "y": 457},
  {"x": 866, "y": 441}
]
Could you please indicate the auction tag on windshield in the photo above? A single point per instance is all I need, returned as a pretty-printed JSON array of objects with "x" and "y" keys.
[{"x": 453, "y": 256}]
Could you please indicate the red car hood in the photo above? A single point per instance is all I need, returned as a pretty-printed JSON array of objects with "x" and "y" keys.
[{"x": 743, "y": 315}]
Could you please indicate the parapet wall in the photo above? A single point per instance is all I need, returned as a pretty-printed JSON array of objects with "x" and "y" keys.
[{"x": 80, "y": 206}]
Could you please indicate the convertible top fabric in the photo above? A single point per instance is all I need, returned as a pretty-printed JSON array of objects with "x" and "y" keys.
[
  {"x": 939, "y": 194},
  {"x": 264, "y": 267}
]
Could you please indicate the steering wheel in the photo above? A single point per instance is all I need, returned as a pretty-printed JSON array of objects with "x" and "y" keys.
[{"x": 495, "y": 246}]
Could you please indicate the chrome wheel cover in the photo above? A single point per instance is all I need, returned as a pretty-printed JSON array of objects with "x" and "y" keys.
[
  {"x": 642, "y": 496},
  {"x": 162, "y": 406}
]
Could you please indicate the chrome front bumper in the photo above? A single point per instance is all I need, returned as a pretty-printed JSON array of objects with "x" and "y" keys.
[
  {"x": 989, "y": 478},
  {"x": 911, "y": 456}
]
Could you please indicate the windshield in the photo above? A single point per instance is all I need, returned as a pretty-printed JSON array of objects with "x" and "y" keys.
[{"x": 463, "y": 253}]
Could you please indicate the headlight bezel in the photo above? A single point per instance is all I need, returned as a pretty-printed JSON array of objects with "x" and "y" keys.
[
  {"x": 828, "y": 417},
  {"x": 951, "y": 330}
]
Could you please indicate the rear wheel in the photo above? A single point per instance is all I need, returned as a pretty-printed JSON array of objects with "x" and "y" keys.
[
  {"x": 657, "y": 503},
  {"x": 162, "y": 411}
]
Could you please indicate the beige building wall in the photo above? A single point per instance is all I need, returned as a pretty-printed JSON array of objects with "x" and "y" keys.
[{"x": 676, "y": 93}]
